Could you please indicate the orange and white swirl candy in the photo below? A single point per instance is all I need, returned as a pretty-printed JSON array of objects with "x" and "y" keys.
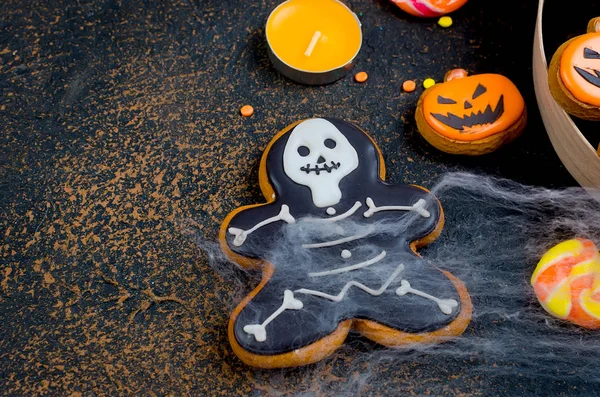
[
  {"x": 567, "y": 282},
  {"x": 429, "y": 8}
]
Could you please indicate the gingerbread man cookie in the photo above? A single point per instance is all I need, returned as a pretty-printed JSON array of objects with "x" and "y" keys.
[{"x": 337, "y": 246}]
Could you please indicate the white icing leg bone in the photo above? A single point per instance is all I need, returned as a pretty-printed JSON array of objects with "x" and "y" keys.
[
  {"x": 289, "y": 303},
  {"x": 445, "y": 305},
  {"x": 340, "y": 296},
  {"x": 418, "y": 207},
  {"x": 240, "y": 235}
]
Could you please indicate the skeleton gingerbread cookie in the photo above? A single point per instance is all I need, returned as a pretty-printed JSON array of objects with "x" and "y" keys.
[{"x": 337, "y": 246}]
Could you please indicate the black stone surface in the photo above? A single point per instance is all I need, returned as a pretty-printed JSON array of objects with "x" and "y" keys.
[{"x": 121, "y": 132}]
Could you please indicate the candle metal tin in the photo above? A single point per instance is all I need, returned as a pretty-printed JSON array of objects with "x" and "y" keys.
[{"x": 311, "y": 77}]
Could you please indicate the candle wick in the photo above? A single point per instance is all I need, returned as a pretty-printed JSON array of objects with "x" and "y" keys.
[{"x": 312, "y": 44}]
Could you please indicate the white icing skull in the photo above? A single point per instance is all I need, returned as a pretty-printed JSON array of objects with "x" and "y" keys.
[{"x": 319, "y": 156}]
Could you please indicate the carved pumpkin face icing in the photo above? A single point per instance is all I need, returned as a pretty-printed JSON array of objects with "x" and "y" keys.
[
  {"x": 580, "y": 68},
  {"x": 473, "y": 108}
]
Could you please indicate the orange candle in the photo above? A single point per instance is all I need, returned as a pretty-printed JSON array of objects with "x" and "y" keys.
[{"x": 313, "y": 41}]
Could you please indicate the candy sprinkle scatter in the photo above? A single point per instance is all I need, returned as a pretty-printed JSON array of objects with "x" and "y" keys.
[
  {"x": 409, "y": 86},
  {"x": 428, "y": 83},
  {"x": 247, "y": 111},
  {"x": 361, "y": 77},
  {"x": 445, "y": 22}
]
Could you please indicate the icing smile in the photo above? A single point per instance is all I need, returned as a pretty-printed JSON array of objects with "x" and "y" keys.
[
  {"x": 317, "y": 170},
  {"x": 593, "y": 79},
  {"x": 488, "y": 116}
]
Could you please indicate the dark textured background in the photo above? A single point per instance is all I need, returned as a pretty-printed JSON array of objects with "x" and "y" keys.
[{"x": 121, "y": 134}]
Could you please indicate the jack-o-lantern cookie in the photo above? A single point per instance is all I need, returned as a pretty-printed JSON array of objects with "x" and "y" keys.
[
  {"x": 471, "y": 115},
  {"x": 337, "y": 246},
  {"x": 574, "y": 74},
  {"x": 429, "y": 8}
]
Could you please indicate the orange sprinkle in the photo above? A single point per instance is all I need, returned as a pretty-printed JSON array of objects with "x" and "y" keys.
[
  {"x": 361, "y": 77},
  {"x": 409, "y": 86},
  {"x": 247, "y": 111}
]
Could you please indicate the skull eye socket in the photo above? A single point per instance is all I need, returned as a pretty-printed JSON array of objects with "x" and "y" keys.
[
  {"x": 303, "y": 151},
  {"x": 329, "y": 143}
]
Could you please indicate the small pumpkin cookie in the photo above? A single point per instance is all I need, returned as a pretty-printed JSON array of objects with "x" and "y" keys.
[
  {"x": 574, "y": 74},
  {"x": 471, "y": 115}
]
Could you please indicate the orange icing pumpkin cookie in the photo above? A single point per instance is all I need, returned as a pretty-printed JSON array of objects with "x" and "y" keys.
[
  {"x": 566, "y": 281},
  {"x": 574, "y": 74},
  {"x": 471, "y": 115}
]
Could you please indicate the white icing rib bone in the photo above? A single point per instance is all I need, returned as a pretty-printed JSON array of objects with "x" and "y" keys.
[
  {"x": 340, "y": 296},
  {"x": 445, "y": 305},
  {"x": 350, "y": 268},
  {"x": 240, "y": 235},
  {"x": 337, "y": 242},
  {"x": 289, "y": 303},
  {"x": 345, "y": 215},
  {"x": 418, "y": 207}
]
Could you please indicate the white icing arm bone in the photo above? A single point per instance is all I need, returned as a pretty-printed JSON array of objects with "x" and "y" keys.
[
  {"x": 240, "y": 235},
  {"x": 289, "y": 303},
  {"x": 445, "y": 305},
  {"x": 418, "y": 207},
  {"x": 340, "y": 296}
]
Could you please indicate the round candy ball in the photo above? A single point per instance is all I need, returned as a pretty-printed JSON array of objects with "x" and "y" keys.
[
  {"x": 429, "y": 8},
  {"x": 566, "y": 281}
]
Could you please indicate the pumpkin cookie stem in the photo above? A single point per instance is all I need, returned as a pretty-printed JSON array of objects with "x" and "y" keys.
[
  {"x": 455, "y": 74},
  {"x": 594, "y": 25}
]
